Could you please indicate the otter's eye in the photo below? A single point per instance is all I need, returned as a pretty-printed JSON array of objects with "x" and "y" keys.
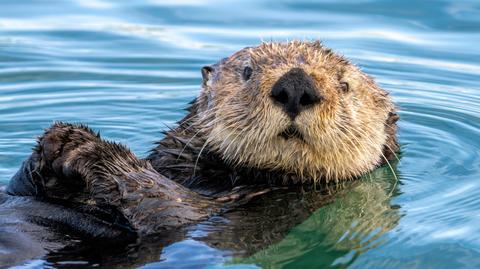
[
  {"x": 344, "y": 86},
  {"x": 247, "y": 73}
]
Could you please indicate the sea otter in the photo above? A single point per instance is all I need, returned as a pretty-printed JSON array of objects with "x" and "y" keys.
[{"x": 270, "y": 116}]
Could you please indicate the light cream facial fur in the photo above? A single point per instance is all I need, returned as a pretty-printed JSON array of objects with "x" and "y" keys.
[{"x": 343, "y": 136}]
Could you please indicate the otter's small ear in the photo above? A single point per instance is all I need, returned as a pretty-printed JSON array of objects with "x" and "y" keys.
[{"x": 206, "y": 73}]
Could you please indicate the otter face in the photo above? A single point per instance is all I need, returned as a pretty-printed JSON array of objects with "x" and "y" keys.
[{"x": 294, "y": 107}]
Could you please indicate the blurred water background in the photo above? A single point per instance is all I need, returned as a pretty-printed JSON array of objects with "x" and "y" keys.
[{"x": 129, "y": 68}]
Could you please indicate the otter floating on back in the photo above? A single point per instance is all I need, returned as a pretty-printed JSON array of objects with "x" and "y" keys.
[{"x": 270, "y": 115}]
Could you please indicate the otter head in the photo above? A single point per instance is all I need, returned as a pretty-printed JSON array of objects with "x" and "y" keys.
[{"x": 297, "y": 108}]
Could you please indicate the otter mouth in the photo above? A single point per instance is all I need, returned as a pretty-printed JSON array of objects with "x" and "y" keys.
[{"x": 292, "y": 132}]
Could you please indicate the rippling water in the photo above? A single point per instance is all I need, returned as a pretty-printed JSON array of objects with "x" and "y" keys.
[{"x": 128, "y": 69}]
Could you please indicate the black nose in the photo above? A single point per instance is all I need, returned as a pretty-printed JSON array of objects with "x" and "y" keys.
[{"x": 295, "y": 91}]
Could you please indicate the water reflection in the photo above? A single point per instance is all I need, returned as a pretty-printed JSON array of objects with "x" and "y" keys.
[{"x": 354, "y": 221}]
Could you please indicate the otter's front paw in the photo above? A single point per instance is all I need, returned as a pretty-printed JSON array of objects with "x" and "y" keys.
[{"x": 59, "y": 143}]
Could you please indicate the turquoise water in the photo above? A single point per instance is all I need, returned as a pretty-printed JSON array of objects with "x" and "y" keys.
[{"x": 129, "y": 69}]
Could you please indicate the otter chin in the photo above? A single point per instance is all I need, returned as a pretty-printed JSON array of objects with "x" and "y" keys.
[{"x": 276, "y": 113}]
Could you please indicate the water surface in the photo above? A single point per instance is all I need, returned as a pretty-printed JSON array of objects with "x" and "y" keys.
[{"x": 129, "y": 69}]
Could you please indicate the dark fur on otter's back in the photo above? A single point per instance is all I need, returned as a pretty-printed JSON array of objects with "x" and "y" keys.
[{"x": 205, "y": 165}]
